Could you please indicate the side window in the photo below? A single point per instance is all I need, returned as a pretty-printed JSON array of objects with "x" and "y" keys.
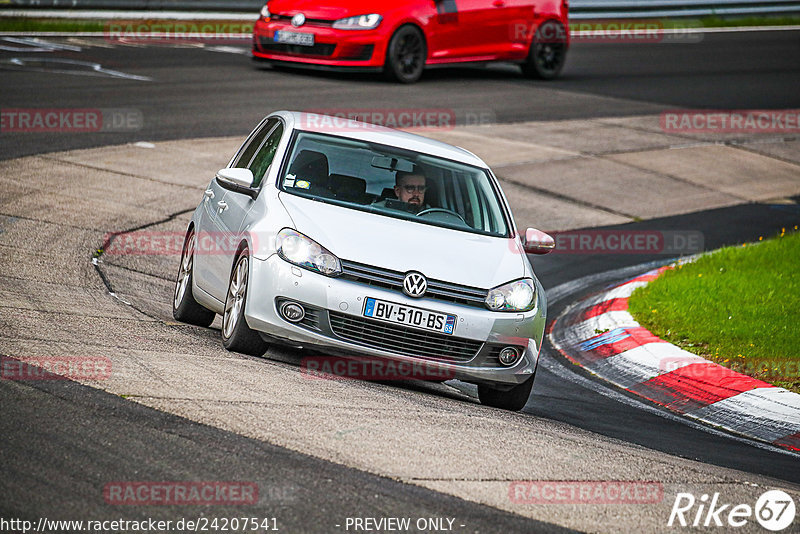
[
  {"x": 246, "y": 154},
  {"x": 265, "y": 155}
]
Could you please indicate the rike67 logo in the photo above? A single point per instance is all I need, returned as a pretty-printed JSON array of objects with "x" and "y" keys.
[{"x": 774, "y": 510}]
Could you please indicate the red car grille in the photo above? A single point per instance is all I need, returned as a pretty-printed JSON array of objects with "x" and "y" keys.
[
  {"x": 309, "y": 22},
  {"x": 320, "y": 49}
]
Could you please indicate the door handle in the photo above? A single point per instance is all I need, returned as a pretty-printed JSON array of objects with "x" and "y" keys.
[
  {"x": 222, "y": 205},
  {"x": 209, "y": 194},
  {"x": 498, "y": 3}
]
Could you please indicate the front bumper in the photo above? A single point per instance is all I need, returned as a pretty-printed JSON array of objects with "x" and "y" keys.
[
  {"x": 334, "y": 303},
  {"x": 334, "y": 49}
]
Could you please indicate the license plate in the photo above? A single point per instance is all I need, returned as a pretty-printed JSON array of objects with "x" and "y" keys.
[
  {"x": 409, "y": 316},
  {"x": 303, "y": 39}
]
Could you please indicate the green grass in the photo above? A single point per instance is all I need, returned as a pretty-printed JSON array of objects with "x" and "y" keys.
[
  {"x": 738, "y": 306},
  {"x": 700, "y": 22},
  {"x": 726, "y": 22},
  {"x": 14, "y": 24}
]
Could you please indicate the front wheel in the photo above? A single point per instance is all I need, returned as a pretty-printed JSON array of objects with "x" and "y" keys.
[
  {"x": 237, "y": 336},
  {"x": 513, "y": 399},
  {"x": 548, "y": 51},
  {"x": 406, "y": 55}
]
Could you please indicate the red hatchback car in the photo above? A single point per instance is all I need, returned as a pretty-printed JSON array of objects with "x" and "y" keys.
[{"x": 401, "y": 38}]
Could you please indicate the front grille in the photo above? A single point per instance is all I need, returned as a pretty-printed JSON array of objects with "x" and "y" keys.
[
  {"x": 402, "y": 340},
  {"x": 311, "y": 319},
  {"x": 308, "y": 22},
  {"x": 319, "y": 49},
  {"x": 493, "y": 357},
  {"x": 379, "y": 277}
]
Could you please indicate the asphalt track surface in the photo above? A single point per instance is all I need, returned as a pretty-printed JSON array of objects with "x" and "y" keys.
[
  {"x": 204, "y": 93},
  {"x": 117, "y": 440},
  {"x": 197, "y": 92}
]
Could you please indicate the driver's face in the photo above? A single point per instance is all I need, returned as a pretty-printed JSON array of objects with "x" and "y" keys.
[{"x": 411, "y": 190}]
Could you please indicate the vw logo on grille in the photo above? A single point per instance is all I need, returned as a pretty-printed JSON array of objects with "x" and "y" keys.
[
  {"x": 298, "y": 20},
  {"x": 415, "y": 284}
]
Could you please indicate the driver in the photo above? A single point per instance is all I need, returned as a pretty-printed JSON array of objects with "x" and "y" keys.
[{"x": 410, "y": 187}]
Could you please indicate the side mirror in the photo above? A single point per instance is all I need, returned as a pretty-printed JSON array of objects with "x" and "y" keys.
[
  {"x": 538, "y": 242},
  {"x": 242, "y": 177},
  {"x": 237, "y": 180}
]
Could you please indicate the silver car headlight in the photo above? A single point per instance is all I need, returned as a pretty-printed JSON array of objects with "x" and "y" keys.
[
  {"x": 304, "y": 252},
  {"x": 517, "y": 296},
  {"x": 362, "y": 22},
  {"x": 265, "y": 11}
]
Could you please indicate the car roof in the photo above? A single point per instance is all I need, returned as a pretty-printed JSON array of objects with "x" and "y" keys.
[{"x": 319, "y": 122}]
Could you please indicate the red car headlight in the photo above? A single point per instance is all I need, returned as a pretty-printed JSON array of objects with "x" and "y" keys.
[{"x": 361, "y": 22}]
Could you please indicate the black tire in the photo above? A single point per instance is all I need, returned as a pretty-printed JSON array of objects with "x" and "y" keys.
[
  {"x": 513, "y": 399},
  {"x": 184, "y": 308},
  {"x": 548, "y": 51},
  {"x": 237, "y": 336},
  {"x": 406, "y": 55}
]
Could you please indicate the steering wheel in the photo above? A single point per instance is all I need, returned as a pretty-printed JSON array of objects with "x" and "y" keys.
[{"x": 441, "y": 210}]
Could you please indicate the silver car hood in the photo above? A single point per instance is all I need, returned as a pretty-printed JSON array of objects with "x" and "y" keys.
[{"x": 438, "y": 253}]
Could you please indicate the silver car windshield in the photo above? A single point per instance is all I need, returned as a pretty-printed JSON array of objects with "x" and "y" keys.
[{"x": 393, "y": 182}]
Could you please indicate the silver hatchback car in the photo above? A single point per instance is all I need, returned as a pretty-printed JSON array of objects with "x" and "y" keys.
[{"x": 362, "y": 241}]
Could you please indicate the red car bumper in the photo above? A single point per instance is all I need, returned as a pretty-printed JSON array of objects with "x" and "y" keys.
[{"x": 359, "y": 49}]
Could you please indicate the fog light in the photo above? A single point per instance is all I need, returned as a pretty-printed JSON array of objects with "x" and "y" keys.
[
  {"x": 292, "y": 312},
  {"x": 508, "y": 356}
]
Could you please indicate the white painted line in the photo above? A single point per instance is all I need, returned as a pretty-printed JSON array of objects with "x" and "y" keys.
[
  {"x": 767, "y": 413},
  {"x": 596, "y": 325},
  {"x": 602, "y": 389},
  {"x": 35, "y": 45},
  {"x": 643, "y": 363},
  {"x": 228, "y": 50},
  {"x": 622, "y": 292},
  {"x": 52, "y": 65},
  {"x": 31, "y": 49}
]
